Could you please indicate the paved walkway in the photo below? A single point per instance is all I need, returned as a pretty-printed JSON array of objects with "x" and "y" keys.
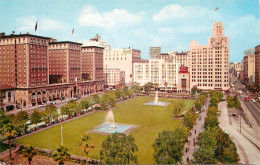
[
  {"x": 247, "y": 151},
  {"x": 191, "y": 145}
]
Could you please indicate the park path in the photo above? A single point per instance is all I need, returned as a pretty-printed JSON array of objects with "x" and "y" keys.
[{"x": 191, "y": 145}]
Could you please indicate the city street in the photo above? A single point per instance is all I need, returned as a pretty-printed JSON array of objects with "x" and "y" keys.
[
  {"x": 254, "y": 108},
  {"x": 248, "y": 152}
]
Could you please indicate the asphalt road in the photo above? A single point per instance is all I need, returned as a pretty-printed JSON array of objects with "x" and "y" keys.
[{"x": 254, "y": 108}]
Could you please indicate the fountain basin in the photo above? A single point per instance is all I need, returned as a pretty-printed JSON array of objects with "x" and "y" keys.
[
  {"x": 160, "y": 103},
  {"x": 109, "y": 128}
]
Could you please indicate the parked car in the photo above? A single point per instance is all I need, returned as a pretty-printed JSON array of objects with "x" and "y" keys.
[
  {"x": 235, "y": 114},
  {"x": 52, "y": 103},
  {"x": 41, "y": 106},
  {"x": 253, "y": 100}
]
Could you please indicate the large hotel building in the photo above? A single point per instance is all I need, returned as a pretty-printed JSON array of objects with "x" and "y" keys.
[
  {"x": 210, "y": 63},
  {"x": 39, "y": 70},
  {"x": 257, "y": 66}
]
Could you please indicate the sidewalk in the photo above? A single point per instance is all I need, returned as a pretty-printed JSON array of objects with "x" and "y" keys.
[
  {"x": 248, "y": 152},
  {"x": 191, "y": 145}
]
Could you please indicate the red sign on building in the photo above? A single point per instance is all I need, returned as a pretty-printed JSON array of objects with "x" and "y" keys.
[{"x": 183, "y": 69}]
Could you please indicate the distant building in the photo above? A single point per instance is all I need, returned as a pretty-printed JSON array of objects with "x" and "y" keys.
[
  {"x": 250, "y": 51},
  {"x": 64, "y": 57},
  {"x": 157, "y": 71},
  {"x": 183, "y": 79},
  {"x": 155, "y": 52},
  {"x": 92, "y": 63},
  {"x": 96, "y": 41},
  {"x": 123, "y": 59},
  {"x": 257, "y": 66},
  {"x": 249, "y": 67},
  {"x": 114, "y": 77},
  {"x": 210, "y": 63}
]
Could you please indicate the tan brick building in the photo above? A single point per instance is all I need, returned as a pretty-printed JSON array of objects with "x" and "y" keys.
[{"x": 210, "y": 63}]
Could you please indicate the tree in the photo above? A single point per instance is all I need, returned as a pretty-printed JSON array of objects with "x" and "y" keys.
[
  {"x": 20, "y": 121},
  {"x": 111, "y": 97},
  {"x": 85, "y": 145},
  {"x": 194, "y": 89},
  {"x": 86, "y": 103},
  {"x": 9, "y": 132},
  {"x": 36, "y": 117},
  {"x": 96, "y": 98},
  {"x": 190, "y": 118},
  {"x": 130, "y": 92},
  {"x": 103, "y": 101},
  {"x": 4, "y": 119},
  {"x": 62, "y": 154},
  {"x": 29, "y": 152},
  {"x": 50, "y": 113},
  {"x": 169, "y": 146},
  {"x": 176, "y": 108},
  {"x": 118, "y": 93},
  {"x": 204, "y": 156},
  {"x": 65, "y": 111},
  {"x": 119, "y": 149},
  {"x": 147, "y": 87},
  {"x": 136, "y": 88}
]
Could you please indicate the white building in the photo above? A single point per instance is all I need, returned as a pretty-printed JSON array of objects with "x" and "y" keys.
[
  {"x": 123, "y": 59},
  {"x": 157, "y": 71},
  {"x": 96, "y": 41},
  {"x": 114, "y": 77},
  {"x": 210, "y": 63}
]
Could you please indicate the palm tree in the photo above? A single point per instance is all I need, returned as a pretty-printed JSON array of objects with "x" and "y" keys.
[
  {"x": 9, "y": 131},
  {"x": 85, "y": 145},
  {"x": 29, "y": 153},
  {"x": 62, "y": 154}
]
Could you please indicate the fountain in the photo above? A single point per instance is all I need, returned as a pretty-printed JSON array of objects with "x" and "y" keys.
[
  {"x": 111, "y": 127},
  {"x": 156, "y": 101}
]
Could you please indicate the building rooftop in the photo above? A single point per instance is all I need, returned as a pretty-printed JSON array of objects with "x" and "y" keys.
[
  {"x": 92, "y": 46},
  {"x": 2, "y": 35},
  {"x": 63, "y": 42}
]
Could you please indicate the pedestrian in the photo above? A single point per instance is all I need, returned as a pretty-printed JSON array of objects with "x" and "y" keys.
[
  {"x": 188, "y": 159},
  {"x": 194, "y": 143},
  {"x": 186, "y": 149},
  {"x": 195, "y": 131}
]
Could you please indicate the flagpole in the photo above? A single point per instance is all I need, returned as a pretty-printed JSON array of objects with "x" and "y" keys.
[{"x": 61, "y": 134}]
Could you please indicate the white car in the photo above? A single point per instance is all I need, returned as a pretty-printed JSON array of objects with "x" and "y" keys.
[{"x": 41, "y": 106}]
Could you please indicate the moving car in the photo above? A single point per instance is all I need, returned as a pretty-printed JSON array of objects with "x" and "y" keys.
[
  {"x": 235, "y": 114},
  {"x": 253, "y": 100}
]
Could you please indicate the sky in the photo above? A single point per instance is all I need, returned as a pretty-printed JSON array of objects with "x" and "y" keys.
[{"x": 139, "y": 24}]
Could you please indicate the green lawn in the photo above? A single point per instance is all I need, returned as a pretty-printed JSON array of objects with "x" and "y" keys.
[{"x": 151, "y": 119}]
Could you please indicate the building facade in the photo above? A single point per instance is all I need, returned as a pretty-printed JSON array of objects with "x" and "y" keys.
[
  {"x": 114, "y": 78},
  {"x": 157, "y": 71},
  {"x": 257, "y": 66},
  {"x": 123, "y": 59},
  {"x": 92, "y": 63},
  {"x": 64, "y": 64},
  {"x": 96, "y": 41},
  {"x": 24, "y": 60},
  {"x": 155, "y": 52},
  {"x": 210, "y": 63},
  {"x": 249, "y": 68},
  {"x": 7, "y": 97}
]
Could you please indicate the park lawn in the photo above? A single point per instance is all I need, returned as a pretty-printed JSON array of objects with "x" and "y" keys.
[{"x": 151, "y": 120}]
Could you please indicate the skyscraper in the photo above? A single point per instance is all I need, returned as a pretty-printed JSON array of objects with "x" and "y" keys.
[
  {"x": 210, "y": 63},
  {"x": 155, "y": 52}
]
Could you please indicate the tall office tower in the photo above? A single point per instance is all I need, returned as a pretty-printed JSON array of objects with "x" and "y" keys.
[
  {"x": 24, "y": 60},
  {"x": 155, "y": 52},
  {"x": 210, "y": 63},
  {"x": 92, "y": 63},
  {"x": 123, "y": 59},
  {"x": 64, "y": 64},
  {"x": 257, "y": 66}
]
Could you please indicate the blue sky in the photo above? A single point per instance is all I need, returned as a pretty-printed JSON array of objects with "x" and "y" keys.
[{"x": 140, "y": 24}]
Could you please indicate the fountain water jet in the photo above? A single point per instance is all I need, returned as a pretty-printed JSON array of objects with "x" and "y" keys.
[
  {"x": 110, "y": 118},
  {"x": 156, "y": 101}
]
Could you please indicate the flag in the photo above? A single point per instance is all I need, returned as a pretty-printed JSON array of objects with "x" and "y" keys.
[
  {"x": 36, "y": 25},
  {"x": 216, "y": 9},
  {"x": 73, "y": 31}
]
